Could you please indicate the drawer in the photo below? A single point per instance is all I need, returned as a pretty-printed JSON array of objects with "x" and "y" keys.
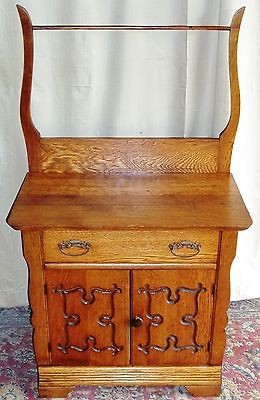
[{"x": 131, "y": 247}]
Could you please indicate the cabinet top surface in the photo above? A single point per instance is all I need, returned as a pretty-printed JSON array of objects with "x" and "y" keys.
[{"x": 76, "y": 201}]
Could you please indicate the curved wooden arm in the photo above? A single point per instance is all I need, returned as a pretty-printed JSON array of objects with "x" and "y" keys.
[
  {"x": 227, "y": 136},
  {"x": 31, "y": 135}
]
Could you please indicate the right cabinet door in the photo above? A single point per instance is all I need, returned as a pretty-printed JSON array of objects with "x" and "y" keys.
[{"x": 173, "y": 310}]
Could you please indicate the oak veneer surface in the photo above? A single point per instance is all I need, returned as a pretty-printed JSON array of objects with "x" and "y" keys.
[
  {"x": 97, "y": 305},
  {"x": 48, "y": 201},
  {"x": 131, "y": 246},
  {"x": 54, "y": 376},
  {"x": 132, "y": 156},
  {"x": 175, "y": 307}
]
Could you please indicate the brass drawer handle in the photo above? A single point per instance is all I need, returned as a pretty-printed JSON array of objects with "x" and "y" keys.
[
  {"x": 175, "y": 246},
  {"x": 78, "y": 247},
  {"x": 136, "y": 322}
]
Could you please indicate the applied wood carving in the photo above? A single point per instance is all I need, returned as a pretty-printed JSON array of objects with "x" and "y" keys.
[
  {"x": 72, "y": 319},
  {"x": 157, "y": 319}
]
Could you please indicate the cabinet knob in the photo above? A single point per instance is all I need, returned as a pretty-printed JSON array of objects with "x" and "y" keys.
[{"x": 136, "y": 322}]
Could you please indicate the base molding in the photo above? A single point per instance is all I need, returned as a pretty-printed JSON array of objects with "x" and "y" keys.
[
  {"x": 204, "y": 391},
  {"x": 58, "y": 381}
]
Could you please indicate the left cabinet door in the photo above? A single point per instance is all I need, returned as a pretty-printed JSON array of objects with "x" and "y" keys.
[{"x": 88, "y": 316}]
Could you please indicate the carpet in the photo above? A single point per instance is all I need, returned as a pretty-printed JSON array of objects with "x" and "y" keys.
[{"x": 18, "y": 378}]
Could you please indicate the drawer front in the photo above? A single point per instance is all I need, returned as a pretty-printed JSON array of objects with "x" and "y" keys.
[{"x": 131, "y": 247}]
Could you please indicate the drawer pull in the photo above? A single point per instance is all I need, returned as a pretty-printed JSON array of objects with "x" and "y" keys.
[
  {"x": 74, "y": 247},
  {"x": 176, "y": 246}
]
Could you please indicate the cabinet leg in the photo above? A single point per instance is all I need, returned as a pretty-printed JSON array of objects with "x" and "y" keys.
[{"x": 204, "y": 391}]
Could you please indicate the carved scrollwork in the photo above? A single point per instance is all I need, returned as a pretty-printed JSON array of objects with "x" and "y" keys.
[
  {"x": 156, "y": 319},
  {"x": 104, "y": 320}
]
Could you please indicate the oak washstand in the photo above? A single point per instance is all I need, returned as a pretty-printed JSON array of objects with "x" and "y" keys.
[{"x": 129, "y": 244}]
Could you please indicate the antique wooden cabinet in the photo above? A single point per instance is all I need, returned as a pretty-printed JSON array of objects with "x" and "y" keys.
[{"x": 129, "y": 244}]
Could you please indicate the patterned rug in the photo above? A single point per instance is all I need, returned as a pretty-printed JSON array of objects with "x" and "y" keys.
[{"x": 18, "y": 378}]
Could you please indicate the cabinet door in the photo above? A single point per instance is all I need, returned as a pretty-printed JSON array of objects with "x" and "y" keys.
[
  {"x": 88, "y": 315},
  {"x": 172, "y": 311}
]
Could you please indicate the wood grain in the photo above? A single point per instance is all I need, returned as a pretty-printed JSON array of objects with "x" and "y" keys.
[
  {"x": 129, "y": 156},
  {"x": 178, "y": 201},
  {"x": 227, "y": 137},
  {"x": 172, "y": 315},
  {"x": 58, "y": 381},
  {"x": 129, "y": 266},
  {"x": 31, "y": 135},
  {"x": 89, "y": 316},
  {"x": 227, "y": 253},
  {"x": 204, "y": 391},
  {"x": 32, "y": 249},
  {"x": 132, "y": 247}
]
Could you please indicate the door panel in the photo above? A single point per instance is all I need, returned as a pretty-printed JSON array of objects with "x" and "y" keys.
[
  {"x": 175, "y": 309},
  {"x": 88, "y": 315}
]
